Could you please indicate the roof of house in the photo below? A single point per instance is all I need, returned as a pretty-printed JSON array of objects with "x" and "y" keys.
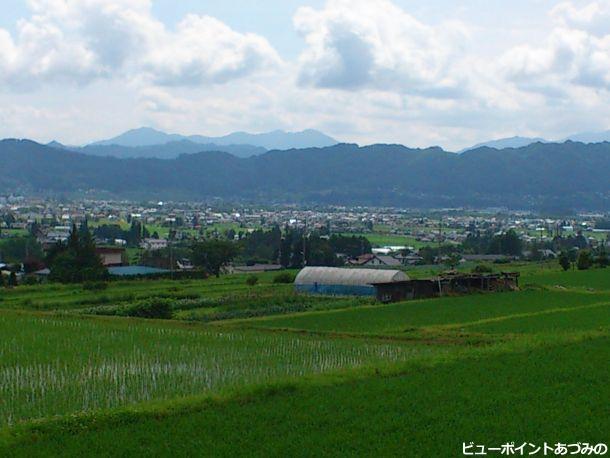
[
  {"x": 388, "y": 260},
  {"x": 339, "y": 276}
]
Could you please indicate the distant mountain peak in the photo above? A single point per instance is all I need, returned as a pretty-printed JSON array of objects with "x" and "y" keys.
[
  {"x": 277, "y": 139},
  {"x": 590, "y": 137},
  {"x": 56, "y": 144},
  {"x": 508, "y": 142}
]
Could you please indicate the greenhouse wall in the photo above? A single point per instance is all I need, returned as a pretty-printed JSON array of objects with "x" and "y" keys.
[{"x": 338, "y": 290}]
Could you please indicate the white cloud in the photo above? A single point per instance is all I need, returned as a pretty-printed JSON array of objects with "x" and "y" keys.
[
  {"x": 203, "y": 49},
  {"x": 575, "y": 53},
  {"x": 79, "y": 70},
  {"x": 593, "y": 17},
  {"x": 80, "y": 41},
  {"x": 355, "y": 44}
]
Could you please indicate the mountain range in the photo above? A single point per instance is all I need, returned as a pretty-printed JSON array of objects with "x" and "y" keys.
[
  {"x": 518, "y": 142},
  {"x": 540, "y": 175},
  {"x": 169, "y": 150},
  {"x": 278, "y": 139},
  {"x": 146, "y": 142}
]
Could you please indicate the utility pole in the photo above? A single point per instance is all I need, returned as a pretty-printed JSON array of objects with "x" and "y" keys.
[
  {"x": 305, "y": 244},
  {"x": 171, "y": 253}
]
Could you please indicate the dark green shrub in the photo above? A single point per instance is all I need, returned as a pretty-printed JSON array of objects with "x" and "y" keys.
[
  {"x": 30, "y": 280},
  {"x": 482, "y": 269},
  {"x": 154, "y": 309},
  {"x": 251, "y": 280},
  {"x": 284, "y": 277},
  {"x": 584, "y": 260},
  {"x": 564, "y": 261},
  {"x": 95, "y": 286}
]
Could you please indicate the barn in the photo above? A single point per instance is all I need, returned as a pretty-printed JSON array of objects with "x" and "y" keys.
[{"x": 345, "y": 282}]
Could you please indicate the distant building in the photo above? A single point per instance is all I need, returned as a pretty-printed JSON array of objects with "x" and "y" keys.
[
  {"x": 153, "y": 244},
  {"x": 111, "y": 257},
  {"x": 394, "y": 285},
  {"x": 375, "y": 260},
  {"x": 184, "y": 264}
]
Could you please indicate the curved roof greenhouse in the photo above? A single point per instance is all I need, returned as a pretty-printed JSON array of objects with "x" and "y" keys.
[{"x": 338, "y": 276}]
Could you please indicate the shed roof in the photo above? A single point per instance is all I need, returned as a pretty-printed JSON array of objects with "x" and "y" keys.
[{"x": 338, "y": 276}]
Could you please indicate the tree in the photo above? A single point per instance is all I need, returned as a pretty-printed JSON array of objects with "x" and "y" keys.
[
  {"x": 508, "y": 244},
  {"x": 77, "y": 260},
  {"x": 452, "y": 260},
  {"x": 18, "y": 249},
  {"x": 602, "y": 258},
  {"x": 564, "y": 261},
  {"x": 286, "y": 248},
  {"x": 584, "y": 260},
  {"x": 213, "y": 255},
  {"x": 351, "y": 246}
]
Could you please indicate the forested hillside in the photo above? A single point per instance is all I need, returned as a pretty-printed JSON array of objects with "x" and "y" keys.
[{"x": 539, "y": 175}]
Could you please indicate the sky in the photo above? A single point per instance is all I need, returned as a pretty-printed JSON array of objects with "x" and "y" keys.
[{"x": 445, "y": 73}]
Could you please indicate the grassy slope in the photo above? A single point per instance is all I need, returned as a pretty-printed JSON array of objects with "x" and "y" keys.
[
  {"x": 552, "y": 393},
  {"x": 545, "y": 379},
  {"x": 455, "y": 311},
  {"x": 64, "y": 297}
]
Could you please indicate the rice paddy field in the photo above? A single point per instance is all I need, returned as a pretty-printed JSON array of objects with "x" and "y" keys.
[{"x": 238, "y": 370}]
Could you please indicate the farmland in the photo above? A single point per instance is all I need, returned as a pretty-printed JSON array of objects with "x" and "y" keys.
[{"x": 258, "y": 369}]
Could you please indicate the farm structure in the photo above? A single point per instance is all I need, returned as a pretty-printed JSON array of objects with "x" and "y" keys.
[
  {"x": 394, "y": 285},
  {"x": 447, "y": 284},
  {"x": 345, "y": 282}
]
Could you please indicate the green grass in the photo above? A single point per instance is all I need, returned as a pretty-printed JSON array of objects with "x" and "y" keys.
[
  {"x": 597, "y": 279},
  {"x": 380, "y": 239},
  {"x": 52, "y": 365},
  {"x": 65, "y": 297},
  {"x": 571, "y": 319},
  {"x": 405, "y": 317},
  {"x": 343, "y": 377},
  {"x": 554, "y": 393}
]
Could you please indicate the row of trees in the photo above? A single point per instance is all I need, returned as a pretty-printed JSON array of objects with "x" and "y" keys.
[
  {"x": 294, "y": 247},
  {"x": 508, "y": 243},
  {"x": 585, "y": 259},
  {"x": 133, "y": 236},
  {"x": 291, "y": 249}
]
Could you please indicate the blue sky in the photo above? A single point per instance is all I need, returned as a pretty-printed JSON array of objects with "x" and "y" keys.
[{"x": 419, "y": 73}]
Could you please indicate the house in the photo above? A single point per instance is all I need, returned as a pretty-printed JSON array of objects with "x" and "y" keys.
[
  {"x": 410, "y": 259},
  {"x": 153, "y": 244},
  {"x": 111, "y": 257},
  {"x": 184, "y": 264},
  {"x": 57, "y": 234},
  {"x": 375, "y": 260}
]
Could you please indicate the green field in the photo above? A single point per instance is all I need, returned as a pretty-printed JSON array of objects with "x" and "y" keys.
[
  {"x": 378, "y": 239},
  {"x": 261, "y": 371}
]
